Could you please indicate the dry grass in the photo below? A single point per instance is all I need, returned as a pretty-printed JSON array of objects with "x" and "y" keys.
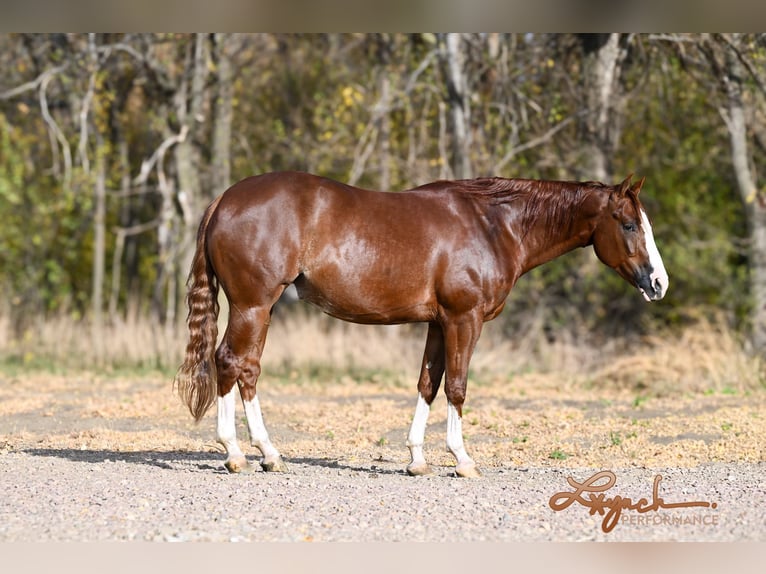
[
  {"x": 304, "y": 346},
  {"x": 333, "y": 389},
  {"x": 706, "y": 357},
  {"x": 526, "y": 422},
  {"x": 61, "y": 343}
]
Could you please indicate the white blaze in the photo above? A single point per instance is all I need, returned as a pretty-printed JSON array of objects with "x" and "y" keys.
[{"x": 659, "y": 277}]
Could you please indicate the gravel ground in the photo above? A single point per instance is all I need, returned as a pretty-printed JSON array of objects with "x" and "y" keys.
[
  {"x": 81, "y": 495},
  {"x": 85, "y": 458}
]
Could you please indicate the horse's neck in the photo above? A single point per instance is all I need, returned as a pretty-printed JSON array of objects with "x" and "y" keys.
[{"x": 544, "y": 241}]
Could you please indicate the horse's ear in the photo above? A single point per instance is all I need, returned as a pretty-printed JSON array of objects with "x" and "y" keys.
[
  {"x": 622, "y": 189},
  {"x": 636, "y": 188}
]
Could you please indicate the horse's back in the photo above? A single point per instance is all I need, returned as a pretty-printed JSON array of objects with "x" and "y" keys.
[
  {"x": 297, "y": 207},
  {"x": 361, "y": 255},
  {"x": 292, "y": 193}
]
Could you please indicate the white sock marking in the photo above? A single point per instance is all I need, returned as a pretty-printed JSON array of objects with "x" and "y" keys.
[
  {"x": 455, "y": 435},
  {"x": 259, "y": 437},
  {"x": 417, "y": 435},
  {"x": 659, "y": 275},
  {"x": 226, "y": 431}
]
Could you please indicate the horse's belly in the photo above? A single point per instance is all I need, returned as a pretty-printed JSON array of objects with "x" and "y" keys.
[{"x": 360, "y": 303}]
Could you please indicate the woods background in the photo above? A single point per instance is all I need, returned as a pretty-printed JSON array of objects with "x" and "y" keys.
[{"x": 111, "y": 146}]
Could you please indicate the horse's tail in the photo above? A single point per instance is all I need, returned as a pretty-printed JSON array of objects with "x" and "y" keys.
[{"x": 196, "y": 379}]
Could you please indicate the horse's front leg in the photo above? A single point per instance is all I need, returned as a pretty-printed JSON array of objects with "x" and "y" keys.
[
  {"x": 431, "y": 373},
  {"x": 460, "y": 337}
]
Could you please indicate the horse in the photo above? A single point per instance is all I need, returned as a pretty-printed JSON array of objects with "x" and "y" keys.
[{"x": 446, "y": 253}]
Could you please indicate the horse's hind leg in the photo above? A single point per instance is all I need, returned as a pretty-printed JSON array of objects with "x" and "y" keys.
[
  {"x": 431, "y": 373},
  {"x": 226, "y": 429},
  {"x": 226, "y": 433},
  {"x": 238, "y": 360},
  {"x": 259, "y": 436}
]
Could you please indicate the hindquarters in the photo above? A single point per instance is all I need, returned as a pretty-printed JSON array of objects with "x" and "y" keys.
[
  {"x": 244, "y": 246},
  {"x": 257, "y": 237}
]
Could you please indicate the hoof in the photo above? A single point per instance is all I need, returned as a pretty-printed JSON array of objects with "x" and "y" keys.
[
  {"x": 418, "y": 469},
  {"x": 238, "y": 466},
  {"x": 467, "y": 470},
  {"x": 274, "y": 465}
]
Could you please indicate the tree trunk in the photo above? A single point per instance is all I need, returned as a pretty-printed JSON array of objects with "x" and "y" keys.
[
  {"x": 223, "y": 113},
  {"x": 600, "y": 125},
  {"x": 99, "y": 249},
  {"x": 385, "y": 134},
  {"x": 758, "y": 274},
  {"x": 166, "y": 217},
  {"x": 189, "y": 109},
  {"x": 755, "y": 204},
  {"x": 458, "y": 98},
  {"x": 119, "y": 241}
]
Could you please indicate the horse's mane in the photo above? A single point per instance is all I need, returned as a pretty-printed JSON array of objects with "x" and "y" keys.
[{"x": 554, "y": 201}]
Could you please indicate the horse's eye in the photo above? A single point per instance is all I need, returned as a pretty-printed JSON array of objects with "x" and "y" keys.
[{"x": 630, "y": 227}]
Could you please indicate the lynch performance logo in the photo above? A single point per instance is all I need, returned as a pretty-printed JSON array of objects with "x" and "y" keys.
[{"x": 591, "y": 494}]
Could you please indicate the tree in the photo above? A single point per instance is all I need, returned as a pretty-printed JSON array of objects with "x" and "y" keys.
[
  {"x": 732, "y": 60},
  {"x": 224, "y": 49},
  {"x": 602, "y": 57},
  {"x": 453, "y": 55},
  {"x": 112, "y": 144}
]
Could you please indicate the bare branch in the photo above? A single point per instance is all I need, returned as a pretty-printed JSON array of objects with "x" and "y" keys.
[
  {"x": 675, "y": 38},
  {"x": 419, "y": 70},
  {"x": 136, "y": 229},
  {"x": 534, "y": 142},
  {"x": 158, "y": 156},
  {"x": 363, "y": 151},
  {"x": 53, "y": 127},
  {"x": 33, "y": 85},
  {"x": 369, "y": 138},
  {"x": 120, "y": 47},
  {"x": 744, "y": 61},
  {"x": 158, "y": 71}
]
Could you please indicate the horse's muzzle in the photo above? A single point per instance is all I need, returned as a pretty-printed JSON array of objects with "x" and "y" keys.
[{"x": 652, "y": 285}]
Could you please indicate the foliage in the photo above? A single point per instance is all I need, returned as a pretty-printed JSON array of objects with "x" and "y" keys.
[
  {"x": 44, "y": 236},
  {"x": 364, "y": 107}
]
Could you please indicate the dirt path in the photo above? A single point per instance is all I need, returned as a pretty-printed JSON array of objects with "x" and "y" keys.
[{"x": 110, "y": 458}]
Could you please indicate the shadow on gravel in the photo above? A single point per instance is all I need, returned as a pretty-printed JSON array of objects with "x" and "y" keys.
[
  {"x": 332, "y": 463},
  {"x": 179, "y": 460},
  {"x": 161, "y": 459}
]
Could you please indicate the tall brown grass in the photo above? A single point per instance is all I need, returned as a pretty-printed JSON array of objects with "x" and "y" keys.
[
  {"x": 707, "y": 356},
  {"x": 304, "y": 345},
  {"x": 63, "y": 343}
]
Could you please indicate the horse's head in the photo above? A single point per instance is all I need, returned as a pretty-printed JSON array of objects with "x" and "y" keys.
[{"x": 623, "y": 240}]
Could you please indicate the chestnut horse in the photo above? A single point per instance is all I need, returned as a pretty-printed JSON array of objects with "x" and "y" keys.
[{"x": 446, "y": 253}]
